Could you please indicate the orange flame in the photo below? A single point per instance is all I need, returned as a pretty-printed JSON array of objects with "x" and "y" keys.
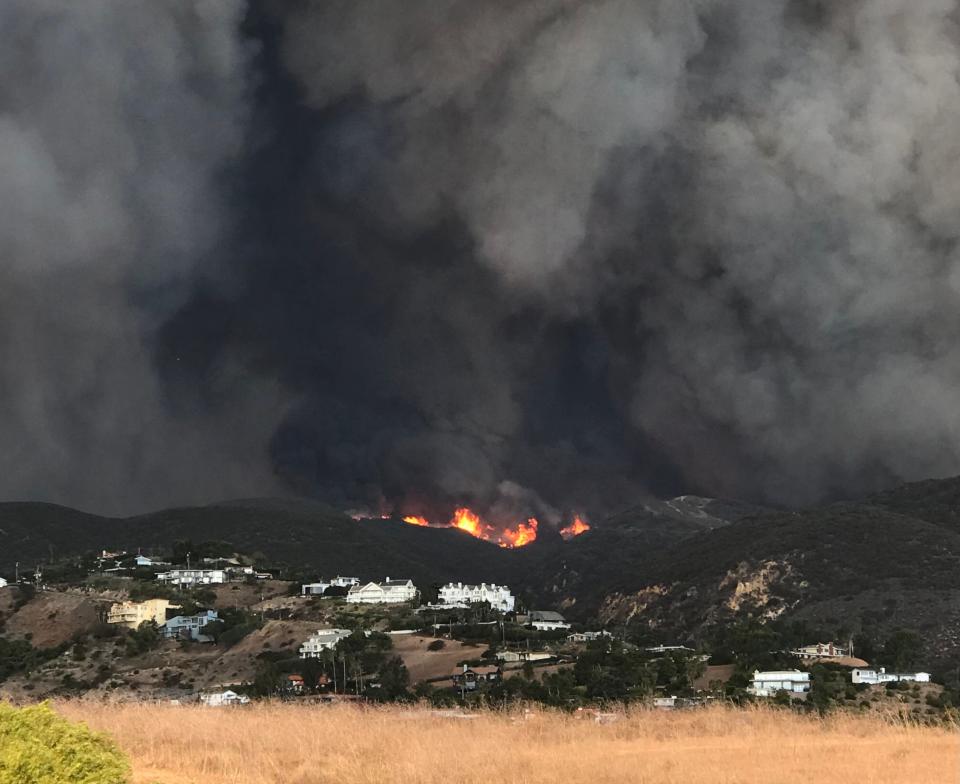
[
  {"x": 577, "y": 527},
  {"x": 521, "y": 536},
  {"x": 467, "y": 520}
]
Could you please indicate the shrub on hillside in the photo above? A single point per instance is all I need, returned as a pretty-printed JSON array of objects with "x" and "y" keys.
[{"x": 39, "y": 747}]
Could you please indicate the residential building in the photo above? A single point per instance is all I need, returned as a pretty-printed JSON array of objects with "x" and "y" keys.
[
  {"x": 322, "y": 640},
  {"x": 3, "y": 583},
  {"x": 132, "y": 614},
  {"x": 547, "y": 620},
  {"x": 820, "y": 650},
  {"x": 387, "y": 592},
  {"x": 524, "y": 656},
  {"x": 767, "y": 684},
  {"x": 882, "y": 676},
  {"x": 587, "y": 636},
  {"x": 344, "y": 582},
  {"x": 670, "y": 649},
  {"x": 472, "y": 678},
  {"x": 188, "y": 578},
  {"x": 314, "y": 589},
  {"x": 145, "y": 560},
  {"x": 189, "y": 627},
  {"x": 217, "y": 699},
  {"x": 294, "y": 684},
  {"x": 498, "y": 596}
]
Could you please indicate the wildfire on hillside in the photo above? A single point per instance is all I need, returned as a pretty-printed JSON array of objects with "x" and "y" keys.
[
  {"x": 577, "y": 527},
  {"x": 520, "y": 535}
]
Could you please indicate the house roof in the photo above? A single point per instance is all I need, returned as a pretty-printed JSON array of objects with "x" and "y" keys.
[{"x": 546, "y": 615}]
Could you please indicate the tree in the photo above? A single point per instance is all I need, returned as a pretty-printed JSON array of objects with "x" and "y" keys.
[{"x": 902, "y": 650}]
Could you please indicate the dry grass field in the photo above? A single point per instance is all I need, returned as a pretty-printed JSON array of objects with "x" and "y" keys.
[{"x": 285, "y": 744}]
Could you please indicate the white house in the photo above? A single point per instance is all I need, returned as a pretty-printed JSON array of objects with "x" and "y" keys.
[
  {"x": 3, "y": 583},
  {"x": 882, "y": 676},
  {"x": 188, "y": 627},
  {"x": 498, "y": 596},
  {"x": 587, "y": 636},
  {"x": 547, "y": 620},
  {"x": 524, "y": 656},
  {"x": 187, "y": 578},
  {"x": 387, "y": 592},
  {"x": 344, "y": 582},
  {"x": 217, "y": 698},
  {"x": 767, "y": 684},
  {"x": 820, "y": 650},
  {"x": 313, "y": 589},
  {"x": 322, "y": 640}
]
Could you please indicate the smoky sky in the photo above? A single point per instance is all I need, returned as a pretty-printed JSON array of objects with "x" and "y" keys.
[{"x": 536, "y": 256}]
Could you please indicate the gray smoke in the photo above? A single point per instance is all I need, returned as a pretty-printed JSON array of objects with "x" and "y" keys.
[
  {"x": 536, "y": 255},
  {"x": 769, "y": 188},
  {"x": 116, "y": 119}
]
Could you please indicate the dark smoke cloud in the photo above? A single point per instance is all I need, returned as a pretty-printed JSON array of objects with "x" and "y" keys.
[{"x": 536, "y": 255}]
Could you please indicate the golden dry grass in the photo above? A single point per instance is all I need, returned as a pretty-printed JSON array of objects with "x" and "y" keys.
[{"x": 289, "y": 744}]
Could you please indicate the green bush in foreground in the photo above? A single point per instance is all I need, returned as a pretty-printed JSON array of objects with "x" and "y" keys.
[{"x": 39, "y": 747}]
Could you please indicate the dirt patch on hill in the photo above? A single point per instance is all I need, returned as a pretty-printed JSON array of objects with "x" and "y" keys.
[
  {"x": 248, "y": 594},
  {"x": 239, "y": 663},
  {"x": 423, "y": 664},
  {"x": 53, "y": 619}
]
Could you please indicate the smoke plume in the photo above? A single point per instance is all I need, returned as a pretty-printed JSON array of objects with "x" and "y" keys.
[{"x": 552, "y": 253}]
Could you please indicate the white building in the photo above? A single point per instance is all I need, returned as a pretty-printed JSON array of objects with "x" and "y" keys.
[
  {"x": 3, "y": 583},
  {"x": 387, "y": 592},
  {"x": 882, "y": 676},
  {"x": 322, "y": 640},
  {"x": 187, "y": 578},
  {"x": 820, "y": 650},
  {"x": 498, "y": 596},
  {"x": 219, "y": 698},
  {"x": 547, "y": 620},
  {"x": 344, "y": 582},
  {"x": 767, "y": 684},
  {"x": 313, "y": 589},
  {"x": 587, "y": 636},
  {"x": 189, "y": 627}
]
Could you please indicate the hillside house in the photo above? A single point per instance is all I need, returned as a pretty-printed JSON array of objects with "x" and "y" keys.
[
  {"x": 498, "y": 596},
  {"x": 3, "y": 583},
  {"x": 873, "y": 677},
  {"x": 546, "y": 620},
  {"x": 387, "y": 592},
  {"x": 313, "y": 589},
  {"x": 217, "y": 699},
  {"x": 294, "y": 684},
  {"x": 132, "y": 614},
  {"x": 588, "y": 636},
  {"x": 322, "y": 640},
  {"x": 524, "y": 656},
  {"x": 670, "y": 649},
  {"x": 472, "y": 678},
  {"x": 820, "y": 650},
  {"x": 189, "y": 627},
  {"x": 767, "y": 684},
  {"x": 188, "y": 578}
]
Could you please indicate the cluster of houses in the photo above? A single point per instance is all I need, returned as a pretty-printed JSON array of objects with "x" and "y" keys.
[
  {"x": 771, "y": 682},
  {"x": 180, "y": 627}
]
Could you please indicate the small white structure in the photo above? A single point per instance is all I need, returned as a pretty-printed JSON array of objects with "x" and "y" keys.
[
  {"x": 498, "y": 596},
  {"x": 882, "y": 676},
  {"x": 547, "y": 620},
  {"x": 670, "y": 649},
  {"x": 344, "y": 582},
  {"x": 3, "y": 583},
  {"x": 767, "y": 684},
  {"x": 217, "y": 699},
  {"x": 524, "y": 656},
  {"x": 819, "y": 650},
  {"x": 187, "y": 578},
  {"x": 588, "y": 636},
  {"x": 313, "y": 589},
  {"x": 322, "y": 640},
  {"x": 387, "y": 592},
  {"x": 189, "y": 627}
]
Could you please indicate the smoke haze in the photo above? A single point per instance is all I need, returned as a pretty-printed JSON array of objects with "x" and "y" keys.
[{"x": 534, "y": 256}]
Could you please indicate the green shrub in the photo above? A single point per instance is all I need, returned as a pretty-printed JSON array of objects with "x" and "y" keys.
[{"x": 39, "y": 747}]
